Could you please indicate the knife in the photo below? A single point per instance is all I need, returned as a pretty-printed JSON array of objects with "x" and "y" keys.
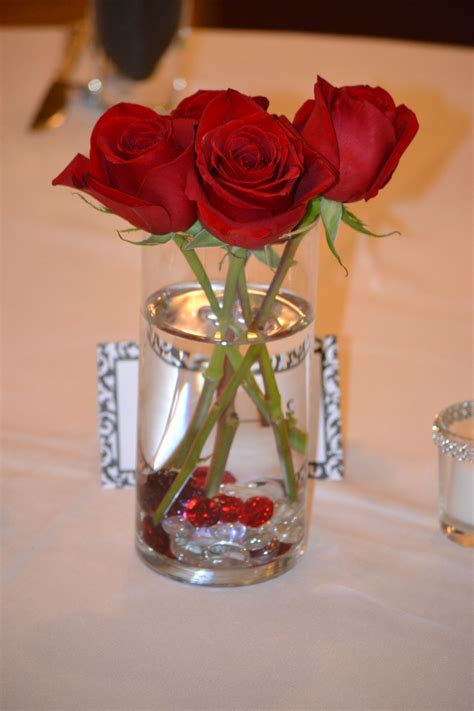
[{"x": 52, "y": 110}]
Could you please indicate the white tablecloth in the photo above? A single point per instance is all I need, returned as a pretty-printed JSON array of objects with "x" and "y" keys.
[{"x": 378, "y": 614}]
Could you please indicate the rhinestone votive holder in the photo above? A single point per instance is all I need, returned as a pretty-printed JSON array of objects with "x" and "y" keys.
[{"x": 453, "y": 432}]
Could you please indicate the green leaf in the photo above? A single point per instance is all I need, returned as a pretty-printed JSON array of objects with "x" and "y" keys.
[
  {"x": 203, "y": 238},
  {"x": 331, "y": 213},
  {"x": 267, "y": 255},
  {"x": 298, "y": 439},
  {"x": 356, "y": 224},
  {"x": 150, "y": 240},
  {"x": 99, "y": 208}
]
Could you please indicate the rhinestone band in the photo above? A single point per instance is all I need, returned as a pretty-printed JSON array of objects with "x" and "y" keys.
[{"x": 459, "y": 448}]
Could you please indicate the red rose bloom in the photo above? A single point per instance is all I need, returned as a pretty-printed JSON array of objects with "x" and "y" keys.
[
  {"x": 361, "y": 131},
  {"x": 138, "y": 167},
  {"x": 255, "y": 172}
]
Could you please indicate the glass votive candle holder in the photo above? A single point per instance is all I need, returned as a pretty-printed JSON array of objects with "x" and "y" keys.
[{"x": 453, "y": 432}]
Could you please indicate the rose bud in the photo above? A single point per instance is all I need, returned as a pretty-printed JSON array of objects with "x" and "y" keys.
[{"x": 361, "y": 131}]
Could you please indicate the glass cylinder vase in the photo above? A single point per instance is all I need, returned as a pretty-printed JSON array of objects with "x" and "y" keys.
[{"x": 227, "y": 408}]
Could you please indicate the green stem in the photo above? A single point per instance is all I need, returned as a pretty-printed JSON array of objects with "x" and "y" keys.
[
  {"x": 236, "y": 266},
  {"x": 286, "y": 261},
  {"x": 212, "y": 377},
  {"x": 225, "y": 432},
  {"x": 236, "y": 280},
  {"x": 279, "y": 424},
  {"x": 244, "y": 298},
  {"x": 200, "y": 439},
  {"x": 226, "y": 429},
  {"x": 276, "y": 417},
  {"x": 250, "y": 385},
  {"x": 282, "y": 270},
  {"x": 214, "y": 369},
  {"x": 226, "y": 425},
  {"x": 199, "y": 272}
]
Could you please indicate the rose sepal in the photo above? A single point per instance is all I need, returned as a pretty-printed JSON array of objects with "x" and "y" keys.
[
  {"x": 268, "y": 256},
  {"x": 99, "y": 208},
  {"x": 149, "y": 241},
  {"x": 331, "y": 215},
  {"x": 203, "y": 238},
  {"x": 356, "y": 223}
]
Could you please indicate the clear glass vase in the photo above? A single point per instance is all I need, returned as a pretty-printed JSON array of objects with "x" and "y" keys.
[{"x": 226, "y": 409}]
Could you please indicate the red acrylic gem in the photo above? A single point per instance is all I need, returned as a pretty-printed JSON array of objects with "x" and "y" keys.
[
  {"x": 152, "y": 491},
  {"x": 202, "y": 511},
  {"x": 155, "y": 536},
  {"x": 256, "y": 511},
  {"x": 230, "y": 508},
  {"x": 284, "y": 548},
  {"x": 200, "y": 474}
]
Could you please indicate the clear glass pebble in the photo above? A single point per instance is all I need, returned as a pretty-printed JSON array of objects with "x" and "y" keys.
[
  {"x": 187, "y": 551},
  {"x": 287, "y": 512},
  {"x": 229, "y": 532},
  {"x": 176, "y": 526},
  {"x": 289, "y": 532},
  {"x": 226, "y": 554},
  {"x": 258, "y": 538},
  {"x": 268, "y": 552},
  {"x": 202, "y": 536}
]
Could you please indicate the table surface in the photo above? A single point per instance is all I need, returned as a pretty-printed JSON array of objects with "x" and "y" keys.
[{"x": 378, "y": 614}]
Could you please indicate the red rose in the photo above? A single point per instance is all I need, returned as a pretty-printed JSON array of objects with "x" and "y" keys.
[
  {"x": 138, "y": 168},
  {"x": 255, "y": 172},
  {"x": 361, "y": 131},
  {"x": 194, "y": 105}
]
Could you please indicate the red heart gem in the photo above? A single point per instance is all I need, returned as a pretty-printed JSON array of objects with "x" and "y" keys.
[
  {"x": 230, "y": 508},
  {"x": 155, "y": 536},
  {"x": 201, "y": 511},
  {"x": 256, "y": 511}
]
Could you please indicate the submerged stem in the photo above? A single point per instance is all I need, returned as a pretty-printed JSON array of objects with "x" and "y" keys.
[
  {"x": 212, "y": 375},
  {"x": 225, "y": 432},
  {"x": 213, "y": 371},
  {"x": 204, "y": 432},
  {"x": 279, "y": 424}
]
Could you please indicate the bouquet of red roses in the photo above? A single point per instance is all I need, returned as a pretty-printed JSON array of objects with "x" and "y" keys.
[{"x": 221, "y": 171}]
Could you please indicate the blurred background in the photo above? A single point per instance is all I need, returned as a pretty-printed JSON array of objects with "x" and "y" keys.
[{"x": 422, "y": 20}]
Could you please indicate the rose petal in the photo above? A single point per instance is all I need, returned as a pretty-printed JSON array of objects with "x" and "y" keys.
[
  {"x": 406, "y": 127},
  {"x": 374, "y": 95},
  {"x": 252, "y": 234},
  {"x": 314, "y": 122},
  {"x": 229, "y": 106},
  {"x": 165, "y": 185},
  {"x": 366, "y": 138},
  {"x": 127, "y": 110},
  {"x": 152, "y": 218},
  {"x": 193, "y": 106}
]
